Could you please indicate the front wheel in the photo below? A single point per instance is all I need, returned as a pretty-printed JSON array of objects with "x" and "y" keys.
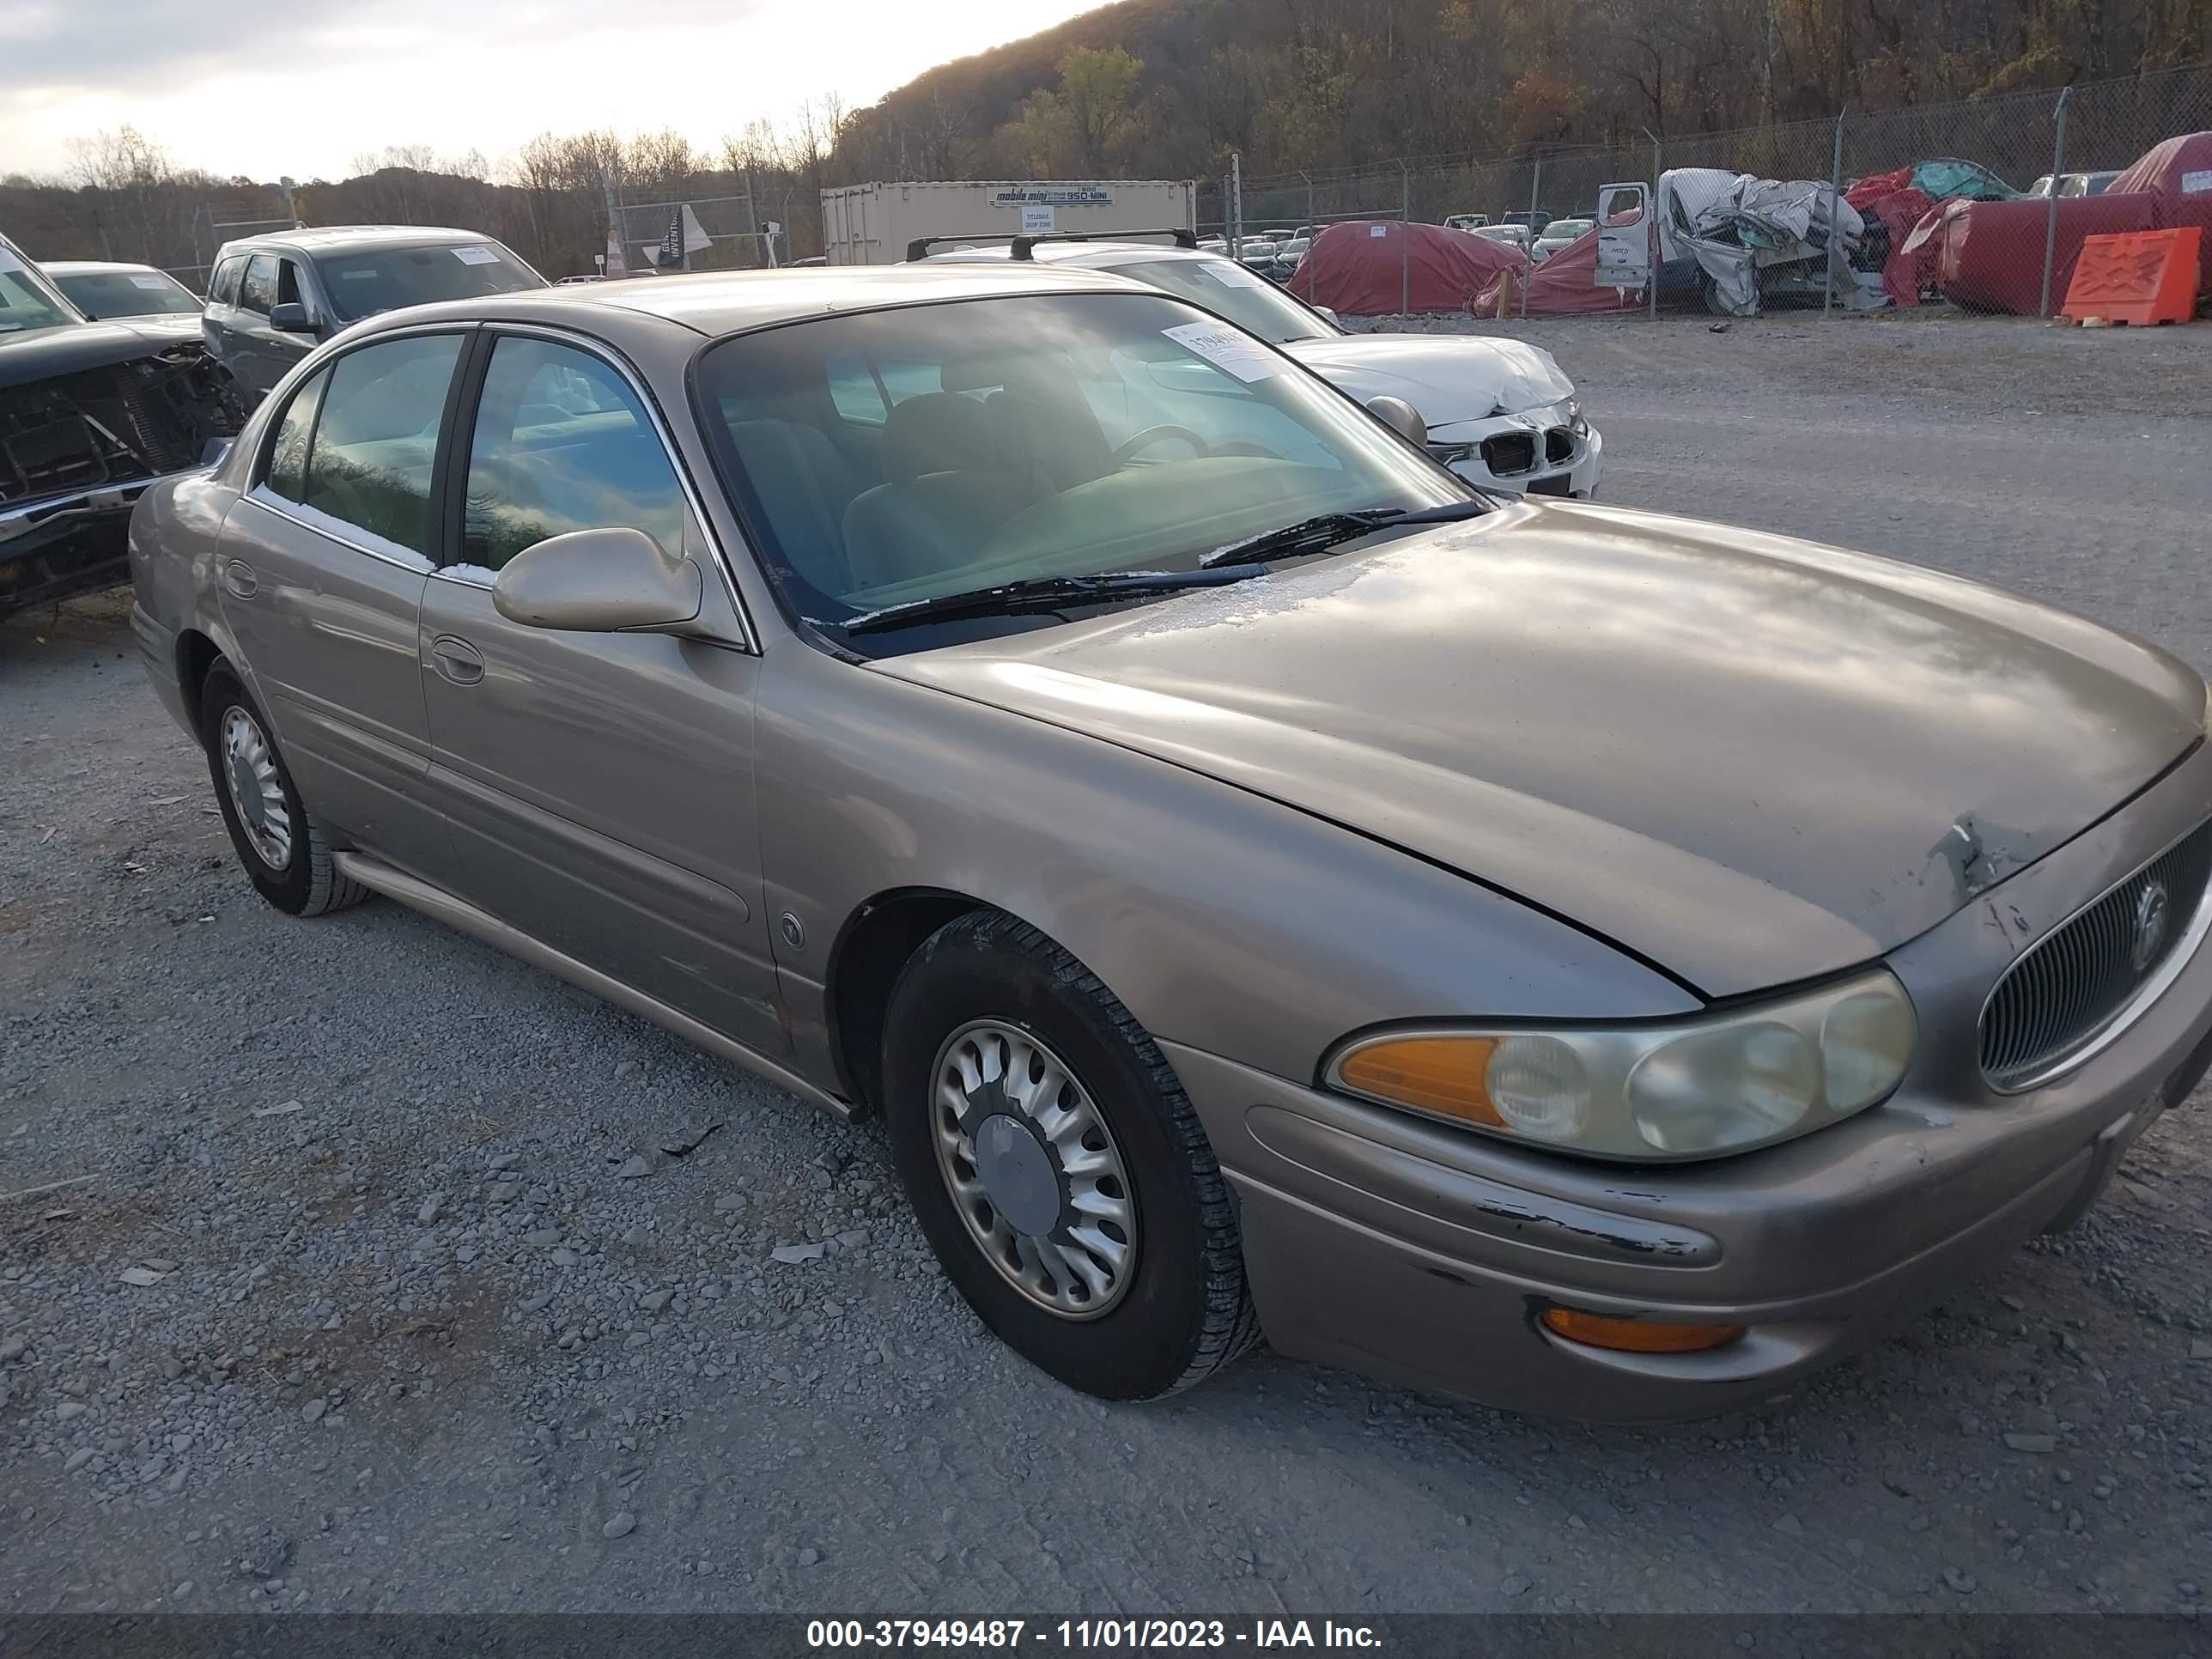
[{"x": 1057, "y": 1167}]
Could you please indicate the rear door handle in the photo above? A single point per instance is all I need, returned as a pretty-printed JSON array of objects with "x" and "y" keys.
[
  {"x": 457, "y": 659},
  {"x": 238, "y": 576}
]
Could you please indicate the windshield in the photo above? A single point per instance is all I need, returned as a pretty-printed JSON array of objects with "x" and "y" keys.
[
  {"x": 127, "y": 294},
  {"x": 386, "y": 278},
  {"x": 1252, "y": 302},
  {"x": 1566, "y": 230},
  {"x": 891, "y": 456},
  {"x": 26, "y": 301}
]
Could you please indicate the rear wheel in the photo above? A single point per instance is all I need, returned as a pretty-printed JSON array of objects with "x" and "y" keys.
[
  {"x": 1057, "y": 1167},
  {"x": 281, "y": 846}
]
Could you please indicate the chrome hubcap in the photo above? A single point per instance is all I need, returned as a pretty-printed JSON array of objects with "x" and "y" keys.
[
  {"x": 256, "y": 791},
  {"x": 1033, "y": 1169}
]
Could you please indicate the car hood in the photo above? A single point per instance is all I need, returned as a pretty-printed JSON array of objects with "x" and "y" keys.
[
  {"x": 1448, "y": 379},
  {"x": 76, "y": 346},
  {"x": 1748, "y": 759}
]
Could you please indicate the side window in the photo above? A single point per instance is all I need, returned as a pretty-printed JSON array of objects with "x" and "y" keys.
[
  {"x": 223, "y": 290},
  {"x": 287, "y": 454},
  {"x": 260, "y": 290},
  {"x": 376, "y": 441},
  {"x": 288, "y": 283},
  {"x": 560, "y": 444},
  {"x": 854, "y": 390}
]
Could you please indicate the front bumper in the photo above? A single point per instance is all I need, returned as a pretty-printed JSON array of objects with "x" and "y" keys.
[
  {"x": 1425, "y": 1255},
  {"x": 1520, "y": 455},
  {"x": 68, "y": 545}
]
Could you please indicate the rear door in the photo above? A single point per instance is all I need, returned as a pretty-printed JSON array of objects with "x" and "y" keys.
[
  {"x": 599, "y": 786},
  {"x": 323, "y": 567}
]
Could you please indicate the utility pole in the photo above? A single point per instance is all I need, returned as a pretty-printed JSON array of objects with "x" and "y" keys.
[{"x": 1236, "y": 225}]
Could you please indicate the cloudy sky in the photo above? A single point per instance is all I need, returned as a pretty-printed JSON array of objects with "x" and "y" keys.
[{"x": 304, "y": 87}]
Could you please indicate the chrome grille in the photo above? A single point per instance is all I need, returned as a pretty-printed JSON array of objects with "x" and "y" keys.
[{"x": 2058, "y": 998}]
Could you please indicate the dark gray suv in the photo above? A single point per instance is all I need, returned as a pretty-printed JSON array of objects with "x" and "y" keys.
[{"x": 273, "y": 299}]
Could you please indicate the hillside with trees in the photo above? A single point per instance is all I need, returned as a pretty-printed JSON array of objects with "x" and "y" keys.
[{"x": 1168, "y": 88}]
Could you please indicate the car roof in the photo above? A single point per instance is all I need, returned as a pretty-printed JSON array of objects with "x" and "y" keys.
[
  {"x": 715, "y": 303},
  {"x": 94, "y": 268},
  {"x": 325, "y": 238},
  {"x": 1100, "y": 254}
]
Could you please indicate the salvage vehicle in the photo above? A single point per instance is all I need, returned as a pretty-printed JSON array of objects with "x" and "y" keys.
[
  {"x": 1501, "y": 413},
  {"x": 2073, "y": 184},
  {"x": 103, "y": 291},
  {"x": 91, "y": 414},
  {"x": 1559, "y": 234},
  {"x": 1529, "y": 949},
  {"x": 273, "y": 299}
]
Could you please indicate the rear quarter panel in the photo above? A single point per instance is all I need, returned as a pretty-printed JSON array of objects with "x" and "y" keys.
[{"x": 176, "y": 530}]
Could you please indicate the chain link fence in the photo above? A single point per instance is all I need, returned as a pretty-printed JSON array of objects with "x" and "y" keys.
[
  {"x": 718, "y": 233},
  {"x": 2037, "y": 151}
]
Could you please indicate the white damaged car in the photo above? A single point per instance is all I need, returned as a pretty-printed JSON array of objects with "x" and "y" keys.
[{"x": 1500, "y": 413}]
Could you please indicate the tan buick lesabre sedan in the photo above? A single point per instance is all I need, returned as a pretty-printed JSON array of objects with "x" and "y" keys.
[{"x": 1585, "y": 960}]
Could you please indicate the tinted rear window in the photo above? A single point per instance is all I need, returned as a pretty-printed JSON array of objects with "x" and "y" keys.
[{"x": 384, "y": 279}]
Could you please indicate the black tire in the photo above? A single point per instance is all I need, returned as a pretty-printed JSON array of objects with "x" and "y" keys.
[
  {"x": 306, "y": 883},
  {"x": 1186, "y": 1311}
]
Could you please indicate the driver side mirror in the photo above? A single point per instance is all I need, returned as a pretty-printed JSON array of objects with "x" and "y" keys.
[
  {"x": 598, "y": 581},
  {"x": 291, "y": 317},
  {"x": 1328, "y": 315},
  {"x": 1402, "y": 418}
]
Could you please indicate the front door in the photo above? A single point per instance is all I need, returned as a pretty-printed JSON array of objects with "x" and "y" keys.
[
  {"x": 323, "y": 567},
  {"x": 1624, "y": 236},
  {"x": 599, "y": 786}
]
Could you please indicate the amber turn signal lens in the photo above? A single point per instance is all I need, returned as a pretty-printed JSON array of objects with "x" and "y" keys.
[
  {"x": 1636, "y": 1335},
  {"x": 1441, "y": 1074}
]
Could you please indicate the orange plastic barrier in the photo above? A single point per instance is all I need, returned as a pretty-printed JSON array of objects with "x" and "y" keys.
[{"x": 2139, "y": 276}]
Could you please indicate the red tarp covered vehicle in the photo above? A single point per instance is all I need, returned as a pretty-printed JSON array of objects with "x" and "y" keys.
[
  {"x": 2178, "y": 172},
  {"x": 1564, "y": 285},
  {"x": 1379, "y": 267},
  {"x": 1988, "y": 256}
]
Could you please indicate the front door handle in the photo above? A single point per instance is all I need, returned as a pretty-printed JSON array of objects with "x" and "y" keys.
[
  {"x": 457, "y": 659},
  {"x": 238, "y": 576}
]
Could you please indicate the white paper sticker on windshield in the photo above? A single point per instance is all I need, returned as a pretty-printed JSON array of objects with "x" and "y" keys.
[
  {"x": 1226, "y": 349},
  {"x": 2196, "y": 183},
  {"x": 155, "y": 282},
  {"x": 475, "y": 256},
  {"x": 367, "y": 274},
  {"x": 9, "y": 262},
  {"x": 1234, "y": 275}
]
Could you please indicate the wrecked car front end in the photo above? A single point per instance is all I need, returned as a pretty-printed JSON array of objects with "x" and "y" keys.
[{"x": 91, "y": 414}]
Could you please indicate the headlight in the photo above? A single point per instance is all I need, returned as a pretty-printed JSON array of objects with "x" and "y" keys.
[{"x": 1722, "y": 1083}]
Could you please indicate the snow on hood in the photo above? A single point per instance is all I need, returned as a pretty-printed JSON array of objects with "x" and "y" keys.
[{"x": 1447, "y": 378}]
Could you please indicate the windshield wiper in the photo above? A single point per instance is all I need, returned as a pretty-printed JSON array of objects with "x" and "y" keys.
[
  {"x": 1039, "y": 593},
  {"x": 1313, "y": 535}
]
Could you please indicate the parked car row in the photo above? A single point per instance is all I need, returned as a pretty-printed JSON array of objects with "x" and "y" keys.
[
  {"x": 839, "y": 667},
  {"x": 92, "y": 413}
]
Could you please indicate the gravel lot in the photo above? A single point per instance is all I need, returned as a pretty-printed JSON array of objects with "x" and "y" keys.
[{"x": 435, "y": 1321}]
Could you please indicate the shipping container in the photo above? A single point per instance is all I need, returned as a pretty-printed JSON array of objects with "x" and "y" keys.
[{"x": 873, "y": 224}]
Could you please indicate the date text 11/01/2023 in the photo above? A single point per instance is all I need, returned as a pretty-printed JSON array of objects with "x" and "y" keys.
[{"x": 1080, "y": 1635}]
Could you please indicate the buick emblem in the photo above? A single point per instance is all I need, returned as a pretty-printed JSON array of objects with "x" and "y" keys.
[{"x": 2151, "y": 910}]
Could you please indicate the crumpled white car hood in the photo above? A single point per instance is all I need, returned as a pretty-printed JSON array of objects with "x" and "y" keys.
[{"x": 1447, "y": 378}]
